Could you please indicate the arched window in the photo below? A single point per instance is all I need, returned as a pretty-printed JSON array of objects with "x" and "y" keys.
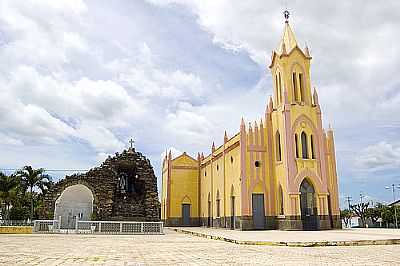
[
  {"x": 280, "y": 200},
  {"x": 301, "y": 87},
  {"x": 296, "y": 143},
  {"x": 304, "y": 145},
  {"x": 294, "y": 81},
  {"x": 312, "y": 147},
  {"x": 277, "y": 89},
  {"x": 278, "y": 147},
  {"x": 280, "y": 87}
]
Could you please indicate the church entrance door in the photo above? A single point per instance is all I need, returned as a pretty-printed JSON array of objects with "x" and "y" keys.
[
  {"x": 330, "y": 211},
  {"x": 308, "y": 206},
  {"x": 258, "y": 211},
  {"x": 233, "y": 213},
  {"x": 75, "y": 202},
  {"x": 186, "y": 214},
  {"x": 209, "y": 214}
]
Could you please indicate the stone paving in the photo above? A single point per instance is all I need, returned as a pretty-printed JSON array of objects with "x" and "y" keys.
[
  {"x": 175, "y": 248},
  {"x": 346, "y": 236}
]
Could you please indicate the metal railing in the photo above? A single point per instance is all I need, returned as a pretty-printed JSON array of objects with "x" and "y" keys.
[
  {"x": 119, "y": 227},
  {"x": 46, "y": 226},
  {"x": 100, "y": 227}
]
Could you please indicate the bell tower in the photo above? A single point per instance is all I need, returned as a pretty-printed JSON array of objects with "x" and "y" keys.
[
  {"x": 299, "y": 142},
  {"x": 290, "y": 69}
]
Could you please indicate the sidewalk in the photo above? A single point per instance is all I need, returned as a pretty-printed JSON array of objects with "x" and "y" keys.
[{"x": 345, "y": 237}]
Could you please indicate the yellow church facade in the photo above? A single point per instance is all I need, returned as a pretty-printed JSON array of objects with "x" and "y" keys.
[{"x": 277, "y": 173}]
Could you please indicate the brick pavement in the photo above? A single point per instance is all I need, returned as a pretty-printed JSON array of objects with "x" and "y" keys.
[{"x": 176, "y": 248}]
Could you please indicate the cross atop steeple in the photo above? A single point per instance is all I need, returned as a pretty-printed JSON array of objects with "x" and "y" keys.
[
  {"x": 131, "y": 142},
  {"x": 286, "y": 15}
]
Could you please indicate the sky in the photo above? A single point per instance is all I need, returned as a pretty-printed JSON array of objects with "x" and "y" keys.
[{"x": 79, "y": 78}]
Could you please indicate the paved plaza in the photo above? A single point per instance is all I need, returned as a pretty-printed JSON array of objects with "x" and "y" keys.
[
  {"x": 354, "y": 236},
  {"x": 177, "y": 248}
]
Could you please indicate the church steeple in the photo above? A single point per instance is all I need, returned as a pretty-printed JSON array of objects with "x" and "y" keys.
[
  {"x": 288, "y": 41},
  {"x": 290, "y": 70}
]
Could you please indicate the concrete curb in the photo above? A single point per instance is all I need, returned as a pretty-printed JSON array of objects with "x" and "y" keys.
[{"x": 294, "y": 244}]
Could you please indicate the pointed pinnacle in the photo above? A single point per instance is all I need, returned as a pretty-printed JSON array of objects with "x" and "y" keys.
[
  {"x": 307, "y": 51},
  {"x": 270, "y": 105},
  {"x": 315, "y": 96}
]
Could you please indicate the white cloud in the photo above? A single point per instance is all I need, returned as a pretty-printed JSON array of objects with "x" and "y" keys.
[
  {"x": 6, "y": 140},
  {"x": 145, "y": 79},
  {"x": 101, "y": 138},
  {"x": 52, "y": 109},
  {"x": 67, "y": 73},
  {"x": 380, "y": 156},
  {"x": 351, "y": 56},
  {"x": 174, "y": 153},
  {"x": 30, "y": 122},
  {"x": 189, "y": 125}
]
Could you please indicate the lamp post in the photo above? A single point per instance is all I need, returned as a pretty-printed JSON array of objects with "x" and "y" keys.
[{"x": 394, "y": 200}]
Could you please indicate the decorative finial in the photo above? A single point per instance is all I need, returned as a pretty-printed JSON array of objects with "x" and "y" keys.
[{"x": 286, "y": 15}]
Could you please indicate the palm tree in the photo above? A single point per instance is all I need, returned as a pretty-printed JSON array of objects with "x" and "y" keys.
[
  {"x": 33, "y": 178},
  {"x": 8, "y": 185}
]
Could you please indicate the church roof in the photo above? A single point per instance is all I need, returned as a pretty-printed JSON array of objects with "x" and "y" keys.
[
  {"x": 288, "y": 41},
  {"x": 287, "y": 45}
]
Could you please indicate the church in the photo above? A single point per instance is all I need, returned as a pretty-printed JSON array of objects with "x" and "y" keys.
[{"x": 277, "y": 173}]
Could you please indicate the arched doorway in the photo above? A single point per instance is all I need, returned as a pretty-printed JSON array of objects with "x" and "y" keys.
[
  {"x": 308, "y": 206},
  {"x": 186, "y": 206},
  {"x": 75, "y": 202},
  {"x": 232, "y": 207},
  {"x": 209, "y": 220}
]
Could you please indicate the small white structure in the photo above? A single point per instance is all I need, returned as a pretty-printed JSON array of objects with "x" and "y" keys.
[{"x": 75, "y": 202}]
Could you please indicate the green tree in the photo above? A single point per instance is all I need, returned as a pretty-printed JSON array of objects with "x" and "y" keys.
[
  {"x": 376, "y": 212},
  {"x": 360, "y": 210},
  {"x": 346, "y": 217},
  {"x": 8, "y": 186},
  {"x": 34, "y": 179},
  {"x": 388, "y": 215}
]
